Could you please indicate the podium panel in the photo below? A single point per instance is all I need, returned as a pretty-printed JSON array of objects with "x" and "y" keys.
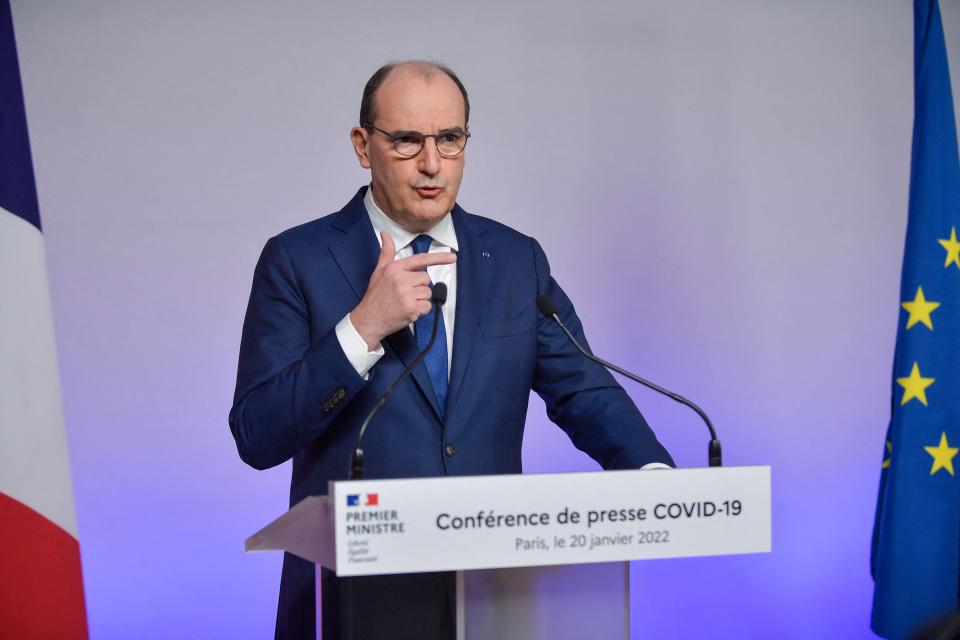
[
  {"x": 545, "y": 602},
  {"x": 567, "y": 602}
]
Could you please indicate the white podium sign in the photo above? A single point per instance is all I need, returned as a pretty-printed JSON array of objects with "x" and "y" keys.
[{"x": 478, "y": 522}]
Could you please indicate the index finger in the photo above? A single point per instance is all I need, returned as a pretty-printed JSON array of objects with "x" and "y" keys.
[{"x": 421, "y": 261}]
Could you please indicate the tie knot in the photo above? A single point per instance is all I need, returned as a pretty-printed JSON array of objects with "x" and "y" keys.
[{"x": 421, "y": 244}]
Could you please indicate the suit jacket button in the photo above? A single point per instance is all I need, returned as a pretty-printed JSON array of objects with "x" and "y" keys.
[
  {"x": 341, "y": 393},
  {"x": 450, "y": 450}
]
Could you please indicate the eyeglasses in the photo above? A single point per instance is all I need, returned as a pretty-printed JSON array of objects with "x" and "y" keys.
[{"x": 450, "y": 142}]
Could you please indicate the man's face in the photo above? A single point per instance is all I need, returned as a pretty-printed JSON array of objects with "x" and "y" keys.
[{"x": 415, "y": 192}]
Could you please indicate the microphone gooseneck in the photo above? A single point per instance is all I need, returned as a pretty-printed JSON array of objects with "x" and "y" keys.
[
  {"x": 714, "y": 451},
  {"x": 437, "y": 299}
]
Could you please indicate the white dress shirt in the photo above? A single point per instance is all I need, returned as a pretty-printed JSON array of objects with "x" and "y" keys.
[{"x": 444, "y": 239}]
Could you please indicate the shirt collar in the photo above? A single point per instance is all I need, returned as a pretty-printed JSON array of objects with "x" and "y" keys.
[{"x": 442, "y": 233}]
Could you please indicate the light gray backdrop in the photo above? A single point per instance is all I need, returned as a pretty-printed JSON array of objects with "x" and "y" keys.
[{"x": 721, "y": 188}]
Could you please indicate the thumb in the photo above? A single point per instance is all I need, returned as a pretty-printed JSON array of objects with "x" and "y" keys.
[{"x": 388, "y": 252}]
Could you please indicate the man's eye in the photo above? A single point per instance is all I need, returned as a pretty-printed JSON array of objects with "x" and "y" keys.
[
  {"x": 406, "y": 140},
  {"x": 450, "y": 137}
]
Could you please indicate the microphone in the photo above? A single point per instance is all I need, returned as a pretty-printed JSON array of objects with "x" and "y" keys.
[
  {"x": 714, "y": 454},
  {"x": 437, "y": 299}
]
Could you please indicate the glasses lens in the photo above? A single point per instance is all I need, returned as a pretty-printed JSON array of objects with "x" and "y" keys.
[
  {"x": 451, "y": 143},
  {"x": 408, "y": 144}
]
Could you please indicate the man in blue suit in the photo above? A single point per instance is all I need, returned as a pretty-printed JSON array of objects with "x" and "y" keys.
[{"x": 339, "y": 306}]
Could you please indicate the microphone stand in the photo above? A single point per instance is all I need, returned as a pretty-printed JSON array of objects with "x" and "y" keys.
[
  {"x": 714, "y": 451},
  {"x": 438, "y": 298}
]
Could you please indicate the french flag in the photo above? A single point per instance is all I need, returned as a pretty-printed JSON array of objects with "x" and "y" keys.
[{"x": 41, "y": 586}]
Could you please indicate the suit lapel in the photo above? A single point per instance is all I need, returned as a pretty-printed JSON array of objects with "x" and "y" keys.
[
  {"x": 356, "y": 254},
  {"x": 356, "y": 251},
  {"x": 404, "y": 345},
  {"x": 475, "y": 264}
]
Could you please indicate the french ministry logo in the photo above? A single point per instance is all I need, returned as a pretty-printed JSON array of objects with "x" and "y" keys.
[{"x": 370, "y": 500}]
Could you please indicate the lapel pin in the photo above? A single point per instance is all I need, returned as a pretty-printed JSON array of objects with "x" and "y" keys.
[{"x": 485, "y": 253}]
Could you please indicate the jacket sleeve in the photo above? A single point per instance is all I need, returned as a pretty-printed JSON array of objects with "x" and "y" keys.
[
  {"x": 290, "y": 384},
  {"x": 581, "y": 396}
]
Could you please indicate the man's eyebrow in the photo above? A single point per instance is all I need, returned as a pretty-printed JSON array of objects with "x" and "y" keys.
[{"x": 402, "y": 132}]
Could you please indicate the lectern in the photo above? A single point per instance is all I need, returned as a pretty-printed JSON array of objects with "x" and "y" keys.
[{"x": 524, "y": 545}]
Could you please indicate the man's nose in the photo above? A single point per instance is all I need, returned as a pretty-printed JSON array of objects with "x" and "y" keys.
[{"x": 429, "y": 159}]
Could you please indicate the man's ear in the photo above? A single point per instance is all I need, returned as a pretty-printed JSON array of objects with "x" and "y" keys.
[{"x": 360, "y": 137}]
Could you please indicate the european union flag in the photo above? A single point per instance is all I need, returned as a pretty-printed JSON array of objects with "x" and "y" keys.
[{"x": 916, "y": 538}]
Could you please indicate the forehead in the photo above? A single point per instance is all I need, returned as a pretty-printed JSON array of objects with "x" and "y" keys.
[{"x": 409, "y": 100}]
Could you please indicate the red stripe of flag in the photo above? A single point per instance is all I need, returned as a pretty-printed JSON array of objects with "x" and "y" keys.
[{"x": 41, "y": 587}]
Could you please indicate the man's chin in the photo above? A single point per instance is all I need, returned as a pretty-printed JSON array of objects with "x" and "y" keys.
[{"x": 431, "y": 211}]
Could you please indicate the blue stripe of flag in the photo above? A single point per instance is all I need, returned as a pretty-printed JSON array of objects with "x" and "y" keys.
[{"x": 18, "y": 188}]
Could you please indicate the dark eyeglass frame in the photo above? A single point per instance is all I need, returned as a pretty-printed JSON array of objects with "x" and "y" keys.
[{"x": 396, "y": 135}]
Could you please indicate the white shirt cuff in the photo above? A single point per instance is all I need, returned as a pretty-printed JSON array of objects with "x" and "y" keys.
[
  {"x": 355, "y": 347},
  {"x": 655, "y": 465}
]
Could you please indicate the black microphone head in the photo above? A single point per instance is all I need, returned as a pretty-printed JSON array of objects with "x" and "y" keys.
[
  {"x": 546, "y": 305},
  {"x": 439, "y": 294}
]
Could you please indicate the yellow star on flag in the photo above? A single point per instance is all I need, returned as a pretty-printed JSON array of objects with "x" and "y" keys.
[
  {"x": 942, "y": 455},
  {"x": 886, "y": 463},
  {"x": 920, "y": 310},
  {"x": 915, "y": 386},
  {"x": 952, "y": 247}
]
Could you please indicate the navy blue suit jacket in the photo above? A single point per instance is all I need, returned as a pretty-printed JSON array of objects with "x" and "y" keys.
[{"x": 297, "y": 395}]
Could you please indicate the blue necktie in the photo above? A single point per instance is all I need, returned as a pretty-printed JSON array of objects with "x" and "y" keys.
[{"x": 436, "y": 359}]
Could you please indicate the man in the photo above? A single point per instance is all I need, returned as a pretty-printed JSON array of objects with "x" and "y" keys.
[{"x": 340, "y": 305}]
